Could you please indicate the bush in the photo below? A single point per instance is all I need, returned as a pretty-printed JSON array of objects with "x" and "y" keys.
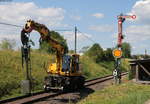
[
  {"x": 7, "y": 44},
  {"x": 98, "y": 54}
]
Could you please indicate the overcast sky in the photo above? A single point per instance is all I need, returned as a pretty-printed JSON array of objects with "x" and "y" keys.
[{"x": 97, "y": 19}]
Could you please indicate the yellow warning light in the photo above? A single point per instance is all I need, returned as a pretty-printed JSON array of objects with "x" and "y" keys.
[{"x": 117, "y": 53}]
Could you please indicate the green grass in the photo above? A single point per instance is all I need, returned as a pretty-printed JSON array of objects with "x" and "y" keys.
[
  {"x": 11, "y": 72},
  {"x": 126, "y": 93},
  {"x": 91, "y": 69},
  {"x": 125, "y": 64}
]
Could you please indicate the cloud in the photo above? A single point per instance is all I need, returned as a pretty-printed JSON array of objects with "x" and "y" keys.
[
  {"x": 98, "y": 15},
  {"x": 18, "y": 13},
  {"x": 77, "y": 18},
  {"x": 102, "y": 28},
  {"x": 142, "y": 10},
  {"x": 138, "y": 36},
  {"x": 136, "y": 33}
]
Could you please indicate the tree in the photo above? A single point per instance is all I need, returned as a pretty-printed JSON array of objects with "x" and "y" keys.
[
  {"x": 7, "y": 44},
  {"x": 56, "y": 36},
  {"x": 126, "y": 48},
  {"x": 108, "y": 56},
  {"x": 96, "y": 52}
]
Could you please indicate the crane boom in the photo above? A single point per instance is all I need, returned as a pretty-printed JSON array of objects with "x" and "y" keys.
[
  {"x": 45, "y": 36},
  {"x": 44, "y": 33}
]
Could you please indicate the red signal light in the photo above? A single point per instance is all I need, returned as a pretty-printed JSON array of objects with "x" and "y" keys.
[
  {"x": 134, "y": 16},
  {"x": 120, "y": 22}
]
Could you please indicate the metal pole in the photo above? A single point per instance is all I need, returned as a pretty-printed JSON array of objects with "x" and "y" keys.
[
  {"x": 75, "y": 39},
  {"x": 145, "y": 53},
  {"x": 28, "y": 74},
  {"x": 120, "y": 37},
  {"x": 117, "y": 70},
  {"x": 120, "y": 31}
]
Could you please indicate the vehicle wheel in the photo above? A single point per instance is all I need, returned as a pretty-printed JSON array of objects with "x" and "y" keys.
[{"x": 46, "y": 88}]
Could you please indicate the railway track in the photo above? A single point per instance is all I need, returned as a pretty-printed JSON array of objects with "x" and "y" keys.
[{"x": 39, "y": 96}]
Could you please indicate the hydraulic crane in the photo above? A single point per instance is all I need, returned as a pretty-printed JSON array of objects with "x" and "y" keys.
[{"x": 65, "y": 73}]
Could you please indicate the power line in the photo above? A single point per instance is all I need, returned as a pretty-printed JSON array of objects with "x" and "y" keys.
[
  {"x": 61, "y": 30},
  {"x": 53, "y": 30},
  {"x": 22, "y": 26},
  {"x": 11, "y": 24},
  {"x": 86, "y": 36}
]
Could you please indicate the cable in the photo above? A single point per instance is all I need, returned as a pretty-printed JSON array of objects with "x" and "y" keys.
[
  {"x": 86, "y": 36},
  {"x": 10, "y": 24},
  {"x": 61, "y": 30},
  {"x": 22, "y": 26},
  {"x": 54, "y": 30}
]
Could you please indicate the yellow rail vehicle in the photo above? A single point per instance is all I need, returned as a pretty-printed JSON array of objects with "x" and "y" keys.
[{"x": 65, "y": 72}]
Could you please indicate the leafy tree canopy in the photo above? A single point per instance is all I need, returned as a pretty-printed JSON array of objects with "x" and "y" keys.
[
  {"x": 98, "y": 54},
  {"x": 56, "y": 36},
  {"x": 126, "y": 48}
]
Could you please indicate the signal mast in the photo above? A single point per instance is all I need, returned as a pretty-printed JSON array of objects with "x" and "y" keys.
[{"x": 117, "y": 53}]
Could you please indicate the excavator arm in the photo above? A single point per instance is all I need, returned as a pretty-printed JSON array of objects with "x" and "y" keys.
[
  {"x": 45, "y": 36},
  {"x": 44, "y": 33}
]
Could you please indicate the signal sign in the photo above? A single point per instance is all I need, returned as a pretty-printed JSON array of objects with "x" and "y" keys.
[
  {"x": 133, "y": 16},
  {"x": 119, "y": 22},
  {"x": 117, "y": 53},
  {"x": 127, "y": 16}
]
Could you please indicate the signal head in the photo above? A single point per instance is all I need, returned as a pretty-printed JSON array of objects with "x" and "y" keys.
[
  {"x": 120, "y": 22},
  {"x": 28, "y": 26},
  {"x": 133, "y": 16}
]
